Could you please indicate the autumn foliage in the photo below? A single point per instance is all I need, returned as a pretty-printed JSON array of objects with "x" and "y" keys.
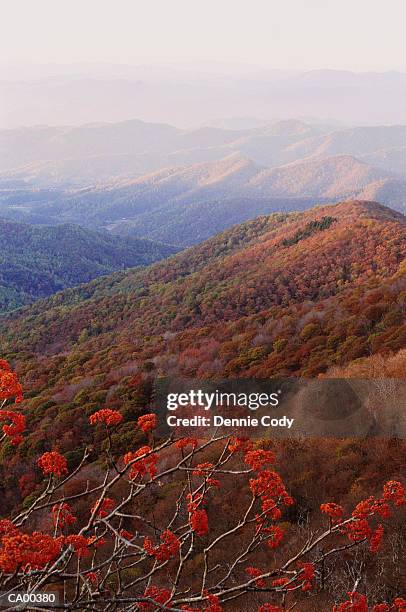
[
  {"x": 10, "y": 389},
  {"x": 92, "y": 536},
  {"x": 95, "y": 504}
]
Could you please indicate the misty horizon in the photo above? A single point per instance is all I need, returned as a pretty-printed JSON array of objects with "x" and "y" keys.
[
  {"x": 195, "y": 64},
  {"x": 190, "y": 95}
]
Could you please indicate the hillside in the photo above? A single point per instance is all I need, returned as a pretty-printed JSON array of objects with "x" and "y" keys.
[
  {"x": 333, "y": 177},
  {"x": 330, "y": 177},
  {"x": 285, "y": 295},
  {"x": 392, "y": 191},
  {"x": 361, "y": 140},
  {"x": 187, "y": 224},
  {"x": 266, "y": 278},
  {"x": 89, "y": 153},
  {"x": 202, "y": 200},
  {"x": 36, "y": 262},
  {"x": 28, "y": 144},
  {"x": 390, "y": 159}
]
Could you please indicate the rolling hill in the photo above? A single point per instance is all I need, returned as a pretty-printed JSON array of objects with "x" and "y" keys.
[
  {"x": 182, "y": 186},
  {"x": 38, "y": 261},
  {"x": 85, "y": 155},
  {"x": 205, "y": 199},
  {"x": 390, "y": 159},
  {"x": 237, "y": 175},
  {"x": 333, "y": 177},
  {"x": 185, "y": 205},
  {"x": 361, "y": 140}
]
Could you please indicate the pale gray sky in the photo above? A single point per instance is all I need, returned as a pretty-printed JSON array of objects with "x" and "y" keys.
[{"x": 289, "y": 34}]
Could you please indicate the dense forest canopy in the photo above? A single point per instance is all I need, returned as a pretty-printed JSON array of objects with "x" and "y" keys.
[
  {"x": 37, "y": 261},
  {"x": 254, "y": 301}
]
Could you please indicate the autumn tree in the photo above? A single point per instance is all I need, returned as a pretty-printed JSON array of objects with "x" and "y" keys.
[{"x": 105, "y": 536}]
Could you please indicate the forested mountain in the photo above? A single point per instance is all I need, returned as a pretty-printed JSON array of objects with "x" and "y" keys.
[
  {"x": 391, "y": 191},
  {"x": 137, "y": 253},
  {"x": 280, "y": 263},
  {"x": 89, "y": 154},
  {"x": 392, "y": 159},
  {"x": 38, "y": 261},
  {"x": 332, "y": 177},
  {"x": 186, "y": 224},
  {"x": 286, "y": 294},
  {"x": 28, "y": 144},
  {"x": 189, "y": 205}
]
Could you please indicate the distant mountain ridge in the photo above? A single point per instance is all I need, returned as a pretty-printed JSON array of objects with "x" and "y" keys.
[
  {"x": 182, "y": 186},
  {"x": 88, "y": 154},
  {"x": 196, "y": 95},
  {"x": 183, "y": 205}
]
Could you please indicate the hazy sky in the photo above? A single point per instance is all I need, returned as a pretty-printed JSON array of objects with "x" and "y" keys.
[{"x": 350, "y": 34}]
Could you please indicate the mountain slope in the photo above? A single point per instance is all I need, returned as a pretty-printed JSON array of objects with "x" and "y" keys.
[
  {"x": 269, "y": 266},
  {"x": 392, "y": 191},
  {"x": 182, "y": 186},
  {"x": 332, "y": 177},
  {"x": 191, "y": 223},
  {"x": 362, "y": 140},
  {"x": 27, "y": 144},
  {"x": 169, "y": 205},
  {"x": 81, "y": 154},
  {"x": 285, "y": 295},
  {"x": 38, "y": 261},
  {"x": 390, "y": 159}
]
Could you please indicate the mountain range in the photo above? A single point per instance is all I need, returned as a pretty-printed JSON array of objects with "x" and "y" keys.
[
  {"x": 82, "y": 155},
  {"x": 50, "y": 155},
  {"x": 182, "y": 186},
  {"x": 144, "y": 186},
  {"x": 185, "y": 205}
]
